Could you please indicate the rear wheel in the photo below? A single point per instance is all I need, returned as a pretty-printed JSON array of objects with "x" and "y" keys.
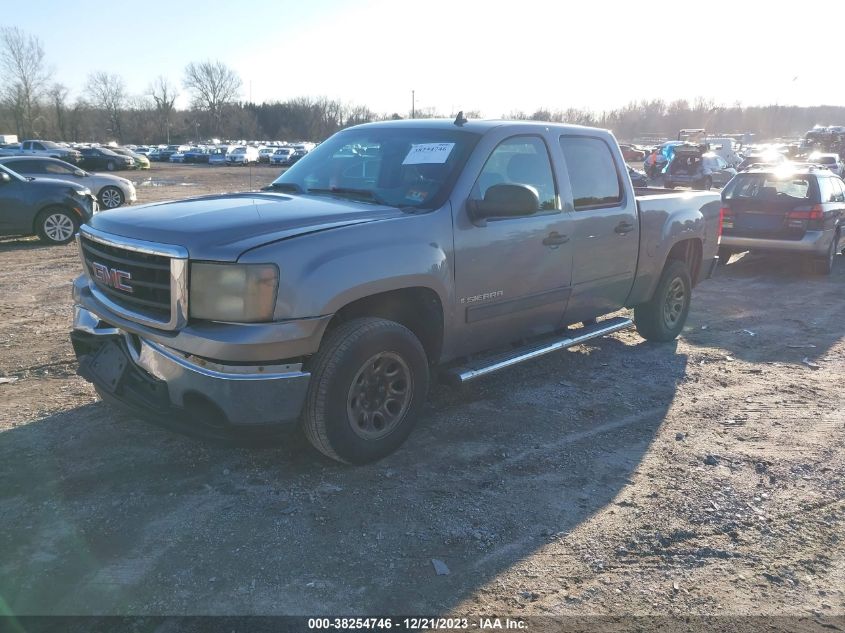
[
  {"x": 111, "y": 197},
  {"x": 368, "y": 384},
  {"x": 662, "y": 317},
  {"x": 824, "y": 265},
  {"x": 56, "y": 225}
]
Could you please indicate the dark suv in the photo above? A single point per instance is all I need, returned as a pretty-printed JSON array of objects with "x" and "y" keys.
[{"x": 785, "y": 210}]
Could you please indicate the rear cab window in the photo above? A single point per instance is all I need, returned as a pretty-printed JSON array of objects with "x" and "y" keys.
[{"x": 593, "y": 175}]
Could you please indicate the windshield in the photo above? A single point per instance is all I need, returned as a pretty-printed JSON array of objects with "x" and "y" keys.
[
  {"x": 824, "y": 160},
  {"x": 401, "y": 167}
]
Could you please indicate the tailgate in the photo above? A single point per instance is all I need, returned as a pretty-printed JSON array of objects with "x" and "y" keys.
[{"x": 768, "y": 207}]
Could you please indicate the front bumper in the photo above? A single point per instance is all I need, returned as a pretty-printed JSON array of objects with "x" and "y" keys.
[
  {"x": 813, "y": 243},
  {"x": 155, "y": 379}
]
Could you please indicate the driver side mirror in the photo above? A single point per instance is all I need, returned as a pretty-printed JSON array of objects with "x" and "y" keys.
[
  {"x": 78, "y": 173},
  {"x": 4, "y": 177},
  {"x": 504, "y": 201}
]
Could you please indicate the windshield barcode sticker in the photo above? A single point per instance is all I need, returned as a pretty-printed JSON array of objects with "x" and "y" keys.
[{"x": 428, "y": 153}]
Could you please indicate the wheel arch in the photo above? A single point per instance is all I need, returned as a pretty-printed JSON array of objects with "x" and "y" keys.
[{"x": 418, "y": 308}]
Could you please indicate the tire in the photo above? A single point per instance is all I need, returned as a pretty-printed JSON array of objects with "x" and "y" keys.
[
  {"x": 56, "y": 225},
  {"x": 662, "y": 317},
  {"x": 824, "y": 265},
  {"x": 357, "y": 425},
  {"x": 110, "y": 165},
  {"x": 111, "y": 197}
]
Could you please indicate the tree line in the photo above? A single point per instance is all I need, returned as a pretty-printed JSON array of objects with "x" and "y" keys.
[{"x": 33, "y": 105}]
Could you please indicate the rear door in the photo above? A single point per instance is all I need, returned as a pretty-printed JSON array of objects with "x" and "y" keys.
[
  {"x": 605, "y": 232},
  {"x": 767, "y": 205}
]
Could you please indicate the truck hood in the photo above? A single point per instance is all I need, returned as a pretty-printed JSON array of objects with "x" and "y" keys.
[{"x": 223, "y": 227}]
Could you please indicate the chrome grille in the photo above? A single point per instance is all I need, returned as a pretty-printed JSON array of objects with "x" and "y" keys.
[{"x": 141, "y": 281}]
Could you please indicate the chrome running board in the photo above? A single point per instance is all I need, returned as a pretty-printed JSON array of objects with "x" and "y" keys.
[{"x": 484, "y": 366}]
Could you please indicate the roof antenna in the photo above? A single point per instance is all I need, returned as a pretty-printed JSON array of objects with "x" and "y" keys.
[{"x": 460, "y": 120}]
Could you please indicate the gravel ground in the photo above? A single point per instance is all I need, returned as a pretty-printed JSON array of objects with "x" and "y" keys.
[{"x": 618, "y": 478}]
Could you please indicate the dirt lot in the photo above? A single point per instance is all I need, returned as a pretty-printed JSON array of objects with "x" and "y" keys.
[{"x": 621, "y": 477}]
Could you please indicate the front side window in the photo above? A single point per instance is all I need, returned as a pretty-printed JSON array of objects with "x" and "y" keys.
[
  {"x": 519, "y": 160},
  {"x": 592, "y": 172}
]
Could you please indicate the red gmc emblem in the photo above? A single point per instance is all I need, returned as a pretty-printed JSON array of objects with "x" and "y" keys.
[{"x": 112, "y": 277}]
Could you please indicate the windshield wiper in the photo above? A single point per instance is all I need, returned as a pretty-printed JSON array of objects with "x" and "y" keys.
[
  {"x": 348, "y": 191},
  {"x": 283, "y": 186}
]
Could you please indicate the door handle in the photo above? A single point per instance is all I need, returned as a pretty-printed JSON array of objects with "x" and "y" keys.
[
  {"x": 624, "y": 227},
  {"x": 555, "y": 239}
]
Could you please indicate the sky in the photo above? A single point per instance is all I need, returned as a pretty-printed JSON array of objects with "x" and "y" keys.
[{"x": 493, "y": 57}]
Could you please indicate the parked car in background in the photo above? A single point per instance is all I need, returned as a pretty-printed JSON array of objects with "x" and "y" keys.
[
  {"x": 50, "y": 149},
  {"x": 197, "y": 155},
  {"x": 95, "y": 158},
  {"x": 217, "y": 156},
  {"x": 693, "y": 166},
  {"x": 51, "y": 209},
  {"x": 142, "y": 149},
  {"x": 111, "y": 191},
  {"x": 828, "y": 160},
  {"x": 281, "y": 156},
  {"x": 165, "y": 153},
  {"x": 265, "y": 153},
  {"x": 178, "y": 157},
  {"x": 638, "y": 178},
  {"x": 781, "y": 210},
  {"x": 724, "y": 148},
  {"x": 140, "y": 161},
  {"x": 762, "y": 158},
  {"x": 242, "y": 155},
  {"x": 632, "y": 152}
]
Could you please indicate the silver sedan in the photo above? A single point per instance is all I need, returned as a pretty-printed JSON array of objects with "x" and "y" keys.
[{"x": 111, "y": 191}]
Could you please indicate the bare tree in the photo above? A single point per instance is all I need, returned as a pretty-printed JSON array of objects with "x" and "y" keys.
[
  {"x": 164, "y": 95},
  {"x": 58, "y": 101},
  {"x": 108, "y": 93},
  {"x": 22, "y": 62},
  {"x": 214, "y": 85}
]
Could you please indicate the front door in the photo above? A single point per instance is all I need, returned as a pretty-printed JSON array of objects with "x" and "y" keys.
[
  {"x": 15, "y": 216},
  {"x": 512, "y": 275}
]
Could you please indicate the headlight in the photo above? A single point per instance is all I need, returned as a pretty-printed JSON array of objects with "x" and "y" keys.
[
  {"x": 243, "y": 293},
  {"x": 82, "y": 192}
]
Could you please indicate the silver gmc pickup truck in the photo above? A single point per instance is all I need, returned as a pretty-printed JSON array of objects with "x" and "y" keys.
[{"x": 392, "y": 253}]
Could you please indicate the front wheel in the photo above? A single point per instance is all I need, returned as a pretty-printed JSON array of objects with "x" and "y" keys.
[
  {"x": 369, "y": 380},
  {"x": 662, "y": 317},
  {"x": 56, "y": 225},
  {"x": 824, "y": 265},
  {"x": 111, "y": 197}
]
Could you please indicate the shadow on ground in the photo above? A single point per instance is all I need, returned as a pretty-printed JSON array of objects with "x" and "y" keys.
[
  {"x": 769, "y": 308},
  {"x": 104, "y": 514}
]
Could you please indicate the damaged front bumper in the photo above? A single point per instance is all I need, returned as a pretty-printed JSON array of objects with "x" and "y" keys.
[{"x": 154, "y": 379}]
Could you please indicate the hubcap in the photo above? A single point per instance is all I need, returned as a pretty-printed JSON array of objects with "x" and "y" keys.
[
  {"x": 111, "y": 198},
  {"x": 674, "y": 304},
  {"x": 58, "y": 227},
  {"x": 379, "y": 396}
]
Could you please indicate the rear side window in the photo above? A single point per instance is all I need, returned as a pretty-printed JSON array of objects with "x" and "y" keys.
[
  {"x": 746, "y": 186},
  {"x": 826, "y": 190},
  {"x": 839, "y": 190},
  {"x": 592, "y": 172}
]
